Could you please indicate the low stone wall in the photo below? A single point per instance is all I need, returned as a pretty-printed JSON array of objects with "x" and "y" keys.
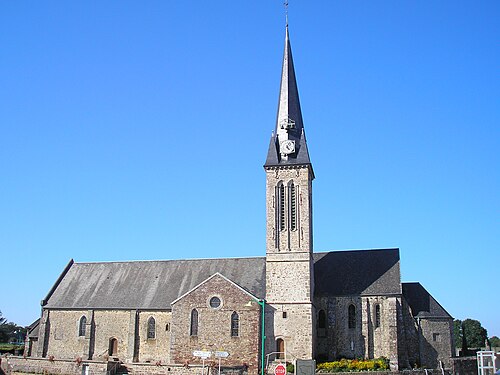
[
  {"x": 464, "y": 365},
  {"x": 12, "y": 365}
]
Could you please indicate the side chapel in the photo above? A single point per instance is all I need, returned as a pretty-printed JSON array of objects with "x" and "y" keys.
[{"x": 326, "y": 305}]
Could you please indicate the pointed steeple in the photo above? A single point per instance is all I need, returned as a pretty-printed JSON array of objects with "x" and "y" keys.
[{"x": 288, "y": 143}]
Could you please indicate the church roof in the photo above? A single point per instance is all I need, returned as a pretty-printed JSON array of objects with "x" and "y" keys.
[
  {"x": 422, "y": 304},
  {"x": 289, "y": 125},
  {"x": 156, "y": 284},
  {"x": 358, "y": 272},
  {"x": 148, "y": 284}
]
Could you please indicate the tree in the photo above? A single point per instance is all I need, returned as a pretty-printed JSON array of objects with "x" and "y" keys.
[
  {"x": 474, "y": 332},
  {"x": 495, "y": 342},
  {"x": 457, "y": 333},
  {"x": 10, "y": 332}
]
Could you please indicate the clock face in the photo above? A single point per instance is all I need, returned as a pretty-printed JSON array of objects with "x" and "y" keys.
[{"x": 288, "y": 147}]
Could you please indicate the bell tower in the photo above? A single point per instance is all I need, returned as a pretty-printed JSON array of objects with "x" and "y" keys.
[{"x": 289, "y": 264}]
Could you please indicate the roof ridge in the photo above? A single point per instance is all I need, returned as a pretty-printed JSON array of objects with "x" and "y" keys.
[{"x": 165, "y": 260}]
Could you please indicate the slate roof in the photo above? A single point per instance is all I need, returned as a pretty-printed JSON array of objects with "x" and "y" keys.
[
  {"x": 358, "y": 272},
  {"x": 288, "y": 109},
  {"x": 155, "y": 285},
  {"x": 422, "y": 304},
  {"x": 33, "y": 328},
  {"x": 148, "y": 284}
]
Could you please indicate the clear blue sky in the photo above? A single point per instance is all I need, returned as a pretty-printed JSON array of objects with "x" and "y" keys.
[{"x": 138, "y": 130}]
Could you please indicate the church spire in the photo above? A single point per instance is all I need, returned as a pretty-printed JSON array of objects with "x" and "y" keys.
[{"x": 288, "y": 143}]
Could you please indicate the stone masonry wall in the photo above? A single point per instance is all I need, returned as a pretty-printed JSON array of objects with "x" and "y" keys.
[
  {"x": 63, "y": 340},
  {"x": 299, "y": 239},
  {"x": 214, "y": 327},
  {"x": 436, "y": 342},
  {"x": 365, "y": 340},
  {"x": 157, "y": 349},
  {"x": 289, "y": 265},
  {"x": 292, "y": 323}
]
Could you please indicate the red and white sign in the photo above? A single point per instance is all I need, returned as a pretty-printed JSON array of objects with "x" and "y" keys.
[{"x": 280, "y": 370}]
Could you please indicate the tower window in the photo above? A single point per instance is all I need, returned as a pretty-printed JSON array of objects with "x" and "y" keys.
[
  {"x": 293, "y": 206},
  {"x": 281, "y": 206},
  {"x": 82, "y": 327},
  {"x": 321, "y": 319},
  {"x": 352, "y": 316},
  {"x": 377, "y": 316},
  {"x": 194, "y": 323},
  {"x": 151, "y": 328},
  {"x": 235, "y": 324}
]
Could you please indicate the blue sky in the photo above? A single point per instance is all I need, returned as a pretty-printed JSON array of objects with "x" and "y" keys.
[{"x": 138, "y": 130}]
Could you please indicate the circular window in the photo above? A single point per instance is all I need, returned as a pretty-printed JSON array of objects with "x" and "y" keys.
[{"x": 215, "y": 302}]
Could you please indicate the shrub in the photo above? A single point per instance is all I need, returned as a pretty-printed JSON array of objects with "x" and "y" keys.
[{"x": 351, "y": 365}]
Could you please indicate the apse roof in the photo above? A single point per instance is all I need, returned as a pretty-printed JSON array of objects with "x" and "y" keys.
[{"x": 422, "y": 304}]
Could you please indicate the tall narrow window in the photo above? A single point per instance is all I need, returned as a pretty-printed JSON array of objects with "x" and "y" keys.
[
  {"x": 321, "y": 319},
  {"x": 280, "y": 348},
  {"x": 281, "y": 206},
  {"x": 352, "y": 316},
  {"x": 113, "y": 347},
  {"x": 82, "y": 326},
  {"x": 377, "y": 316},
  {"x": 293, "y": 206},
  {"x": 151, "y": 328},
  {"x": 194, "y": 323},
  {"x": 235, "y": 324}
]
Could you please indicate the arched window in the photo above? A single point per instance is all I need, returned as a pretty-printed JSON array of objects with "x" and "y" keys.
[
  {"x": 151, "y": 328},
  {"x": 281, "y": 206},
  {"x": 113, "y": 347},
  {"x": 82, "y": 327},
  {"x": 194, "y": 323},
  {"x": 352, "y": 316},
  {"x": 321, "y": 319},
  {"x": 235, "y": 324},
  {"x": 293, "y": 206},
  {"x": 377, "y": 316}
]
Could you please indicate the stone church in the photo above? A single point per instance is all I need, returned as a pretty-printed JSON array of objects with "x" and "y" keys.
[{"x": 292, "y": 303}]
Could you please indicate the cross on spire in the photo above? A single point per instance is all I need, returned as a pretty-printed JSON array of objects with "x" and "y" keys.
[{"x": 286, "y": 12}]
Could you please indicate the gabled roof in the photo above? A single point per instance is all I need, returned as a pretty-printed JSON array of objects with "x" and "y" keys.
[
  {"x": 154, "y": 285},
  {"x": 422, "y": 304},
  {"x": 359, "y": 272},
  {"x": 148, "y": 284},
  {"x": 217, "y": 274}
]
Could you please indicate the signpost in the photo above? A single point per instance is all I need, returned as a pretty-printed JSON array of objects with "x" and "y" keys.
[
  {"x": 221, "y": 355},
  {"x": 203, "y": 354},
  {"x": 280, "y": 369}
]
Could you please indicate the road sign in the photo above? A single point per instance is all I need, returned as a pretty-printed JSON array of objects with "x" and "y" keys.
[
  {"x": 202, "y": 353},
  {"x": 280, "y": 370},
  {"x": 221, "y": 354}
]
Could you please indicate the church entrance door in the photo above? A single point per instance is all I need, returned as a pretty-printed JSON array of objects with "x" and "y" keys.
[{"x": 280, "y": 348}]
